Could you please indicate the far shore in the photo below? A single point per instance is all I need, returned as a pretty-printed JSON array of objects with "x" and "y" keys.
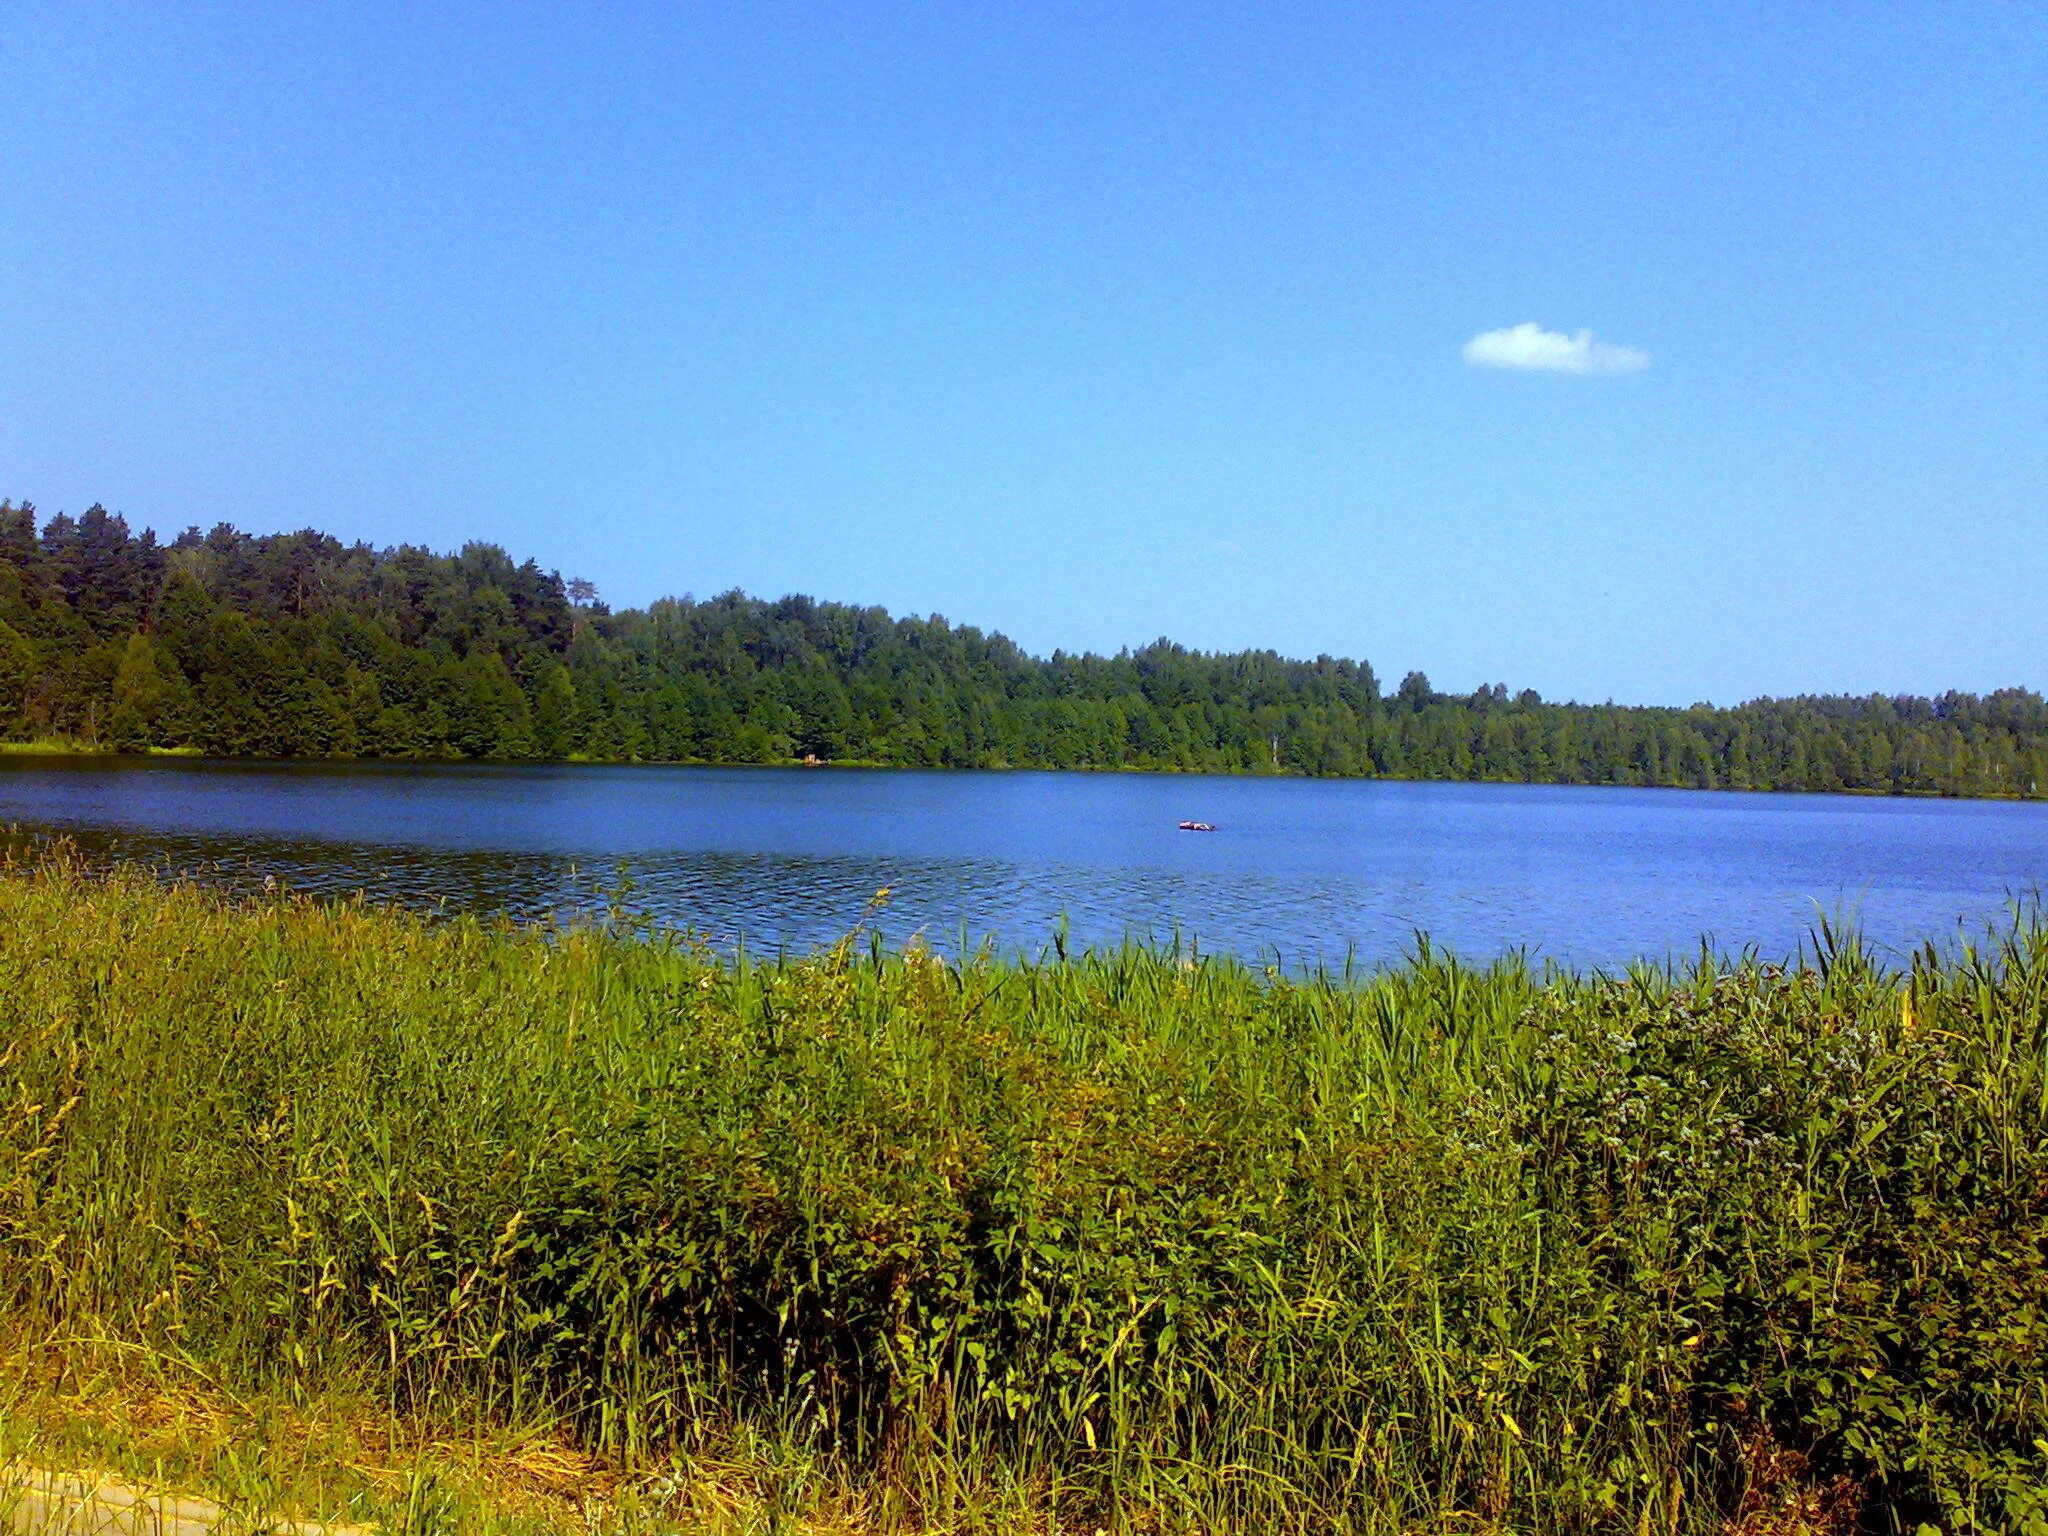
[{"x": 64, "y": 746}]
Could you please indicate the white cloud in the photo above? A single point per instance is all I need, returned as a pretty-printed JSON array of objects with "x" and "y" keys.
[{"x": 1528, "y": 347}]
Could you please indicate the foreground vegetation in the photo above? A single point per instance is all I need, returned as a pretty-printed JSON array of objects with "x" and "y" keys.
[
  {"x": 1121, "y": 1241},
  {"x": 298, "y": 645}
]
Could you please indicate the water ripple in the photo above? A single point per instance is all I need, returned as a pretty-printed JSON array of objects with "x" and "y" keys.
[{"x": 1300, "y": 874}]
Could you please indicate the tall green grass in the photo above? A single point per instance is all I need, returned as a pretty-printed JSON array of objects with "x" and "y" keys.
[{"x": 1125, "y": 1239}]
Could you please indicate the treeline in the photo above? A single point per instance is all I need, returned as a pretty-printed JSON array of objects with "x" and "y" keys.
[{"x": 300, "y": 645}]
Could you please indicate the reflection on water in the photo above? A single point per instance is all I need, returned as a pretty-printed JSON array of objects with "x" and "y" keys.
[
  {"x": 765, "y": 902},
  {"x": 1301, "y": 872}
]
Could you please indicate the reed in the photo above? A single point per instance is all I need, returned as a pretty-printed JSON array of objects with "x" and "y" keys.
[{"x": 1128, "y": 1240}]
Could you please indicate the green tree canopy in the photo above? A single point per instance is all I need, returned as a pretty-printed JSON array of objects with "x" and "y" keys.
[{"x": 299, "y": 644}]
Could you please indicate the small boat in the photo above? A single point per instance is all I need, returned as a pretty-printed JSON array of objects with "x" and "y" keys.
[{"x": 1198, "y": 826}]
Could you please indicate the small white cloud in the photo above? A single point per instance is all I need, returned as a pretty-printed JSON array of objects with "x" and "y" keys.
[{"x": 1530, "y": 348}]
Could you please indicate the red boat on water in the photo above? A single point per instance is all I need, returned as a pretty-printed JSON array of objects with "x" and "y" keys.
[{"x": 1198, "y": 826}]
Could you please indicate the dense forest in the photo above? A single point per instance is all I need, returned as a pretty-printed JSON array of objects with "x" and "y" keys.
[{"x": 298, "y": 644}]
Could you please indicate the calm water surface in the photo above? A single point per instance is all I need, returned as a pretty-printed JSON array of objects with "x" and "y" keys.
[{"x": 1303, "y": 871}]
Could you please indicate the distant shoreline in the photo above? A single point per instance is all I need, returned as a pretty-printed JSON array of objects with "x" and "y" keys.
[{"x": 72, "y": 749}]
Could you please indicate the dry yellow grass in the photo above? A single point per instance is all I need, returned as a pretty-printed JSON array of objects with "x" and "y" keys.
[
  {"x": 91, "y": 1431},
  {"x": 91, "y": 1407}
]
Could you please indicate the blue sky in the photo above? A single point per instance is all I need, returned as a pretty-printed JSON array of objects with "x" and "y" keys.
[{"x": 1085, "y": 323}]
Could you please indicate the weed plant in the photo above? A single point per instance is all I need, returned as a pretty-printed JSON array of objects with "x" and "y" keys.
[{"x": 1125, "y": 1240}]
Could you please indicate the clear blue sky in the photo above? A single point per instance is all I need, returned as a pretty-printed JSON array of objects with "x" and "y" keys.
[{"x": 1084, "y": 323}]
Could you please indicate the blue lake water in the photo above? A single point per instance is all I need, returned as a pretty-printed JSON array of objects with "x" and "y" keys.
[{"x": 1300, "y": 871}]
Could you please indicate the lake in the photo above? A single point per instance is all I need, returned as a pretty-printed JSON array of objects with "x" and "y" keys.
[{"x": 1298, "y": 872}]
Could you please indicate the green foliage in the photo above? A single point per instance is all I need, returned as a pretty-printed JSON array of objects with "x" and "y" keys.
[
  {"x": 17, "y": 675},
  {"x": 1164, "y": 1240},
  {"x": 295, "y": 644}
]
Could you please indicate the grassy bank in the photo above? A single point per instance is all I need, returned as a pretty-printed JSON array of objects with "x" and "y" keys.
[
  {"x": 1113, "y": 1242},
  {"x": 75, "y": 746}
]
